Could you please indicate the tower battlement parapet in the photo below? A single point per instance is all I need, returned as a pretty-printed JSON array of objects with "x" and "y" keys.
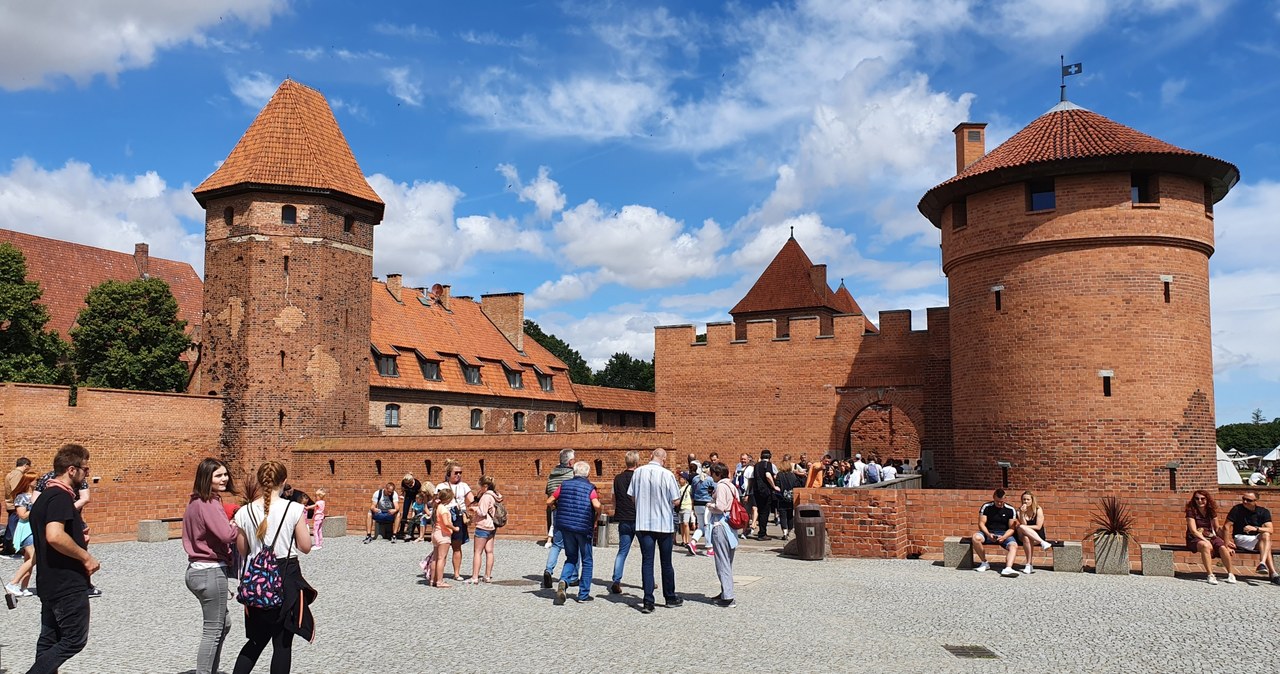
[{"x": 848, "y": 330}]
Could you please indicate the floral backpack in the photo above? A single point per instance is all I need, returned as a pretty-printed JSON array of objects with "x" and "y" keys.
[{"x": 261, "y": 585}]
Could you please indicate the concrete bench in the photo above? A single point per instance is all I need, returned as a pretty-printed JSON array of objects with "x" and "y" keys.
[
  {"x": 334, "y": 526},
  {"x": 155, "y": 531},
  {"x": 957, "y": 553},
  {"x": 1157, "y": 559}
]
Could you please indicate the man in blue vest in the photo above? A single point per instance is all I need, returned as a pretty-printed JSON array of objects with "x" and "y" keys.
[{"x": 576, "y": 502}]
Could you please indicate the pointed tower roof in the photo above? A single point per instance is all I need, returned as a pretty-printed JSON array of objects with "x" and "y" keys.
[
  {"x": 792, "y": 281},
  {"x": 848, "y": 305},
  {"x": 1069, "y": 139},
  {"x": 294, "y": 144}
]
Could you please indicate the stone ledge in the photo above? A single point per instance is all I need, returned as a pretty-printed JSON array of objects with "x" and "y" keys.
[
  {"x": 334, "y": 526},
  {"x": 153, "y": 531},
  {"x": 1155, "y": 561},
  {"x": 1069, "y": 557}
]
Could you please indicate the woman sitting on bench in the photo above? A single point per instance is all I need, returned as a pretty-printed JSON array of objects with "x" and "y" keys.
[
  {"x": 1203, "y": 536},
  {"x": 1031, "y": 529}
]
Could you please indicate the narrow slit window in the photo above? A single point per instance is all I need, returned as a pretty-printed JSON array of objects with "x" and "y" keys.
[
  {"x": 1041, "y": 195},
  {"x": 281, "y": 360},
  {"x": 960, "y": 214},
  {"x": 332, "y": 467},
  {"x": 288, "y": 215},
  {"x": 537, "y": 466},
  {"x": 377, "y": 463},
  {"x": 1166, "y": 292},
  {"x": 286, "y": 266},
  {"x": 280, "y": 419},
  {"x": 599, "y": 467},
  {"x": 1106, "y": 386},
  {"x": 228, "y": 216},
  {"x": 482, "y": 467},
  {"x": 1166, "y": 280},
  {"x": 998, "y": 293},
  {"x": 426, "y": 464},
  {"x": 347, "y": 223}
]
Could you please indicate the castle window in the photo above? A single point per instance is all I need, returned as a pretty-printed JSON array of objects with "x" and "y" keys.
[
  {"x": 391, "y": 416},
  {"x": 515, "y": 379},
  {"x": 348, "y": 221},
  {"x": 288, "y": 215},
  {"x": 386, "y": 365},
  {"x": 599, "y": 418},
  {"x": 228, "y": 216},
  {"x": 1167, "y": 281},
  {"x": 430, "y": 369},
  {"x": 998, "y": 291},
  {"x": 470, "y": 372},
  {"x": 1106, "y": 381},
  {"x": 517, "y": 422},
  {"x": 477, "y": 420},
  {"x": 434, "y": 417},
  {"x": 1040, "y": 195},
  {"x": 551, "y": 423},
  {"x": 1143, "y": 188},
  {"x": 545, "y": 382},
  {"x": 959, "y": 214},
  {"x": 1208, "y": 199}
]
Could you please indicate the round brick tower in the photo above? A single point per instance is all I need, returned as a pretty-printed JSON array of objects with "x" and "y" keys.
[
  {"x": 289, "y": 224},
  {"x": 1077, "y": 255}
]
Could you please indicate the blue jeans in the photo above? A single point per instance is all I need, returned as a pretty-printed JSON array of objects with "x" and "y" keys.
[
  {"x": 577, "y": 548},
  {"x": 649, "y": 540},
  {"x": 626, "y": 532}
]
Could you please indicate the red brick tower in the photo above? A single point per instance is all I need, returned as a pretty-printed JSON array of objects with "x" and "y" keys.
[
  {"x": 289, "y": 224},
  {"x": 1078, "y": 259}
]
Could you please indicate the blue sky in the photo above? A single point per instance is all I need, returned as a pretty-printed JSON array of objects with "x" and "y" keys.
[{"x": 631, "y": 164}]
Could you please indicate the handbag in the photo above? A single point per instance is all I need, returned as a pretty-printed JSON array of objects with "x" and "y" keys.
[{"x": 738, "y": 516}]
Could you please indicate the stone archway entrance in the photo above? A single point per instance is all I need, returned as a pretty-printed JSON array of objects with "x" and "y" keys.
[{"x": 882, "y": 421}]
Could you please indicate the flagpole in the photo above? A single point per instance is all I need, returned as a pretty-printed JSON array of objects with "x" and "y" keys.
[{"x": 1062, "y": 77}]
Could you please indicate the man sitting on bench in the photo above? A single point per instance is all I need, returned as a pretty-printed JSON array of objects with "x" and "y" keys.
[
  {"x": 382, "y": 514},
  {"x": 997, "y": 522},
  {"x": 1249, "y": 528}
]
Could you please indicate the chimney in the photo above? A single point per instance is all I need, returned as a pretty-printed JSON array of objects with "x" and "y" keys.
[
  {"x": 393, "y": 285},
  {"x": 971, "y": 143},
  {"x": 506, "y": 311},
  {"x": 818, "y": 277},
  {"x": 443, "y": 297},
  {"x": 142, "y": 258}
]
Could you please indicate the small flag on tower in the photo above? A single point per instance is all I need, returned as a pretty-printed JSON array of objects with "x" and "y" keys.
[{"x": 1073, "y": 69}]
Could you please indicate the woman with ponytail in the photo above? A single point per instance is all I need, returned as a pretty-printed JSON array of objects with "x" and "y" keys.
[{"x": 272, "y": 520}]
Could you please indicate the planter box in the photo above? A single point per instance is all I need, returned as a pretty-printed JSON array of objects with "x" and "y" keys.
[{"x": 1111, "y": 555}]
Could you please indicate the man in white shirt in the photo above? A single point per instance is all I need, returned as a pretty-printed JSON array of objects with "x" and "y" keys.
[
  {"x": 888, "y": 472},
  {"x": 384, "y": 507},
  {"x": 859, "y": 472},
  {"x": 655, "y": 492}
]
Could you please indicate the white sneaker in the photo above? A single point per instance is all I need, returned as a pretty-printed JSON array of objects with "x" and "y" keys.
[
  {"x": 983, "y": 567},
  {"x": 1046, "y": 545},
  {"x": 14, "y": 589},
  {"x": 27, "y": 593},
  {"x": 1231, "y": 578},
  {"x": 1008, "y": 571},
  {"x": 1212, "y": 579},
  {"x": 1028, "y": 569}
]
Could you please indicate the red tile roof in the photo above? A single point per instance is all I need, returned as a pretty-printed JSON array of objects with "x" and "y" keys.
[
  {"x": 293, "y": 142},
  {"x": 1070, "y": 139},
  {"x": 67, "y": 271},
  {"x": 464, "y": 332},
  {"x": 605, "y": 398},
  {"x": 789, "y": 283}
]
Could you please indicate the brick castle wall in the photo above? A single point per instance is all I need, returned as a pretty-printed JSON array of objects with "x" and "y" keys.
[
  {"x": 143, "y": 447},
  {"x": 1081, "y": 295}
]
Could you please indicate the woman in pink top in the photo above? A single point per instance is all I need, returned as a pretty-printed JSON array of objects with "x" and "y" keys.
[
  {"x": 441, "y": 535},
  {"x": 485, "y": 529},
  {"x": 207, "y": 536}
]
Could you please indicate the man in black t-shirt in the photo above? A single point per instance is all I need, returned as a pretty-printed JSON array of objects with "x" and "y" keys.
[
  {"x": 997, "y": 522},
  {"x": 1249, "y": 528},
  {"x": 764, "y": 487},
  {"x": 411, "y": 486},
  {"x": 63, "y": 562},
  {"x": 624, "y": 514}
]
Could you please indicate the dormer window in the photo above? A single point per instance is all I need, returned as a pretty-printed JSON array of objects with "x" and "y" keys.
[
  {"x": 289, "y": 215},
  {"x": 545, "y": 382},
  {"x": 515, "y": 379},
  {"x": 386, "y": 365},
  {"x": 470, "y": 373},
  {"x": 430, "y": 369},
  {"x": 1041, "y": 195}
]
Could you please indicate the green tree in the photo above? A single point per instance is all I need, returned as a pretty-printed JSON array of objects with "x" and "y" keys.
[
  {"x": 1257, "y": 416},
  {"x": 1248, "y": 435},
  {"x": 624, "y": 371},
  {"x": 28, "y": 353},
  {"x": 129, "y": 337},
  {"x": 579, "y": 373}
]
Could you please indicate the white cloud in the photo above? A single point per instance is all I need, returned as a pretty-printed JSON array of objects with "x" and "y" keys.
[
  {"x": 638, "y": 246},
  {"x": 626, "y": 328},
  {"x": 491, "y": 39},
  {"x": 1246, "y": 321},
  {"x": 350, "y": 107},
  {"x": 310, "y": 53},
  {"x": 73, "y": 203},
  {"x": 43, "y": 42},
  {"x": 402, "y": 84},
  {"x": 422, "y": 238},
  {"x": 410, "y": 31},
  {"x": 543, "y": 192},
  {"x": 1247, "y": 224},
  {"x": 568, "y": 288},
  {"x": 1171, "y": 89},
  {"x": 582, "y": 106},
  {"x": 253, "y": 89}
]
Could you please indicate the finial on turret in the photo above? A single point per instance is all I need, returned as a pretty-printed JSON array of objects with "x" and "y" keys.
[{"x": 793, "y": 231}]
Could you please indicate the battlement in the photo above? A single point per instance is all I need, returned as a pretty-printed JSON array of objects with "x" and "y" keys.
[{"x": 848, "y": 331}]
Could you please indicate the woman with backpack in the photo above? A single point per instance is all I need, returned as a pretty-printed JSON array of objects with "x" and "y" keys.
[
  {"x": 277, "y": 599},
  {"x": 723, "y": 540},
  {"x": 486, "y": 529},
  {"x": 207, "y": 537}
]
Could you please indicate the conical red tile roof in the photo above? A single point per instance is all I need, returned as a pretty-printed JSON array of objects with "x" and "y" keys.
[
  {"x": 294, "y": 142},
  {"x": 789, "y": 283},
  {"x": 848, "y": 305},
  {"x": 1070, "y": 139}
]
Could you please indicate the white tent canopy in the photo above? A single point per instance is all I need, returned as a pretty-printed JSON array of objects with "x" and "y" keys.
[
  {"x": 1273, "y": 455},
  {"x": 1227, "y": 473}
]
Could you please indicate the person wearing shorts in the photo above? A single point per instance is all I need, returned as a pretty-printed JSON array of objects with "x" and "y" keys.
[
  {"x": 1203, "y": 536},
  {"x": 1249, "y": 528},
  {"x": 997, "y": 522}
]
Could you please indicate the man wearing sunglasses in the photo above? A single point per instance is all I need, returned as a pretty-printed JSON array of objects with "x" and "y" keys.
[{"x": 1249, "y": 528}]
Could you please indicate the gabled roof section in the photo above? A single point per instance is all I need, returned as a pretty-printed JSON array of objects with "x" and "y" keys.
[
  {"x": 462, "y": 333},
  {"x": 848, "y": 305},
  {"x": 1069, "y": 139},
  {"x": 293, "y": 143},
  {"x": 67, "y": 271},
  {"x": 615, "y": 399},
  {"x": 789, "y": 282}
]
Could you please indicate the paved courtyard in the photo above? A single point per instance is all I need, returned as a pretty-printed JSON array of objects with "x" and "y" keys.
[{"x": 375, "y": 614}]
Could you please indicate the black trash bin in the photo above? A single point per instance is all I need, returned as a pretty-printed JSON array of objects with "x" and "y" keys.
[{"x": 811, "y": 531}]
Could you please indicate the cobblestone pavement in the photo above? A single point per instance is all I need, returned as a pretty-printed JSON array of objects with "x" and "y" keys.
[{"x": 834, "y": 615}]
